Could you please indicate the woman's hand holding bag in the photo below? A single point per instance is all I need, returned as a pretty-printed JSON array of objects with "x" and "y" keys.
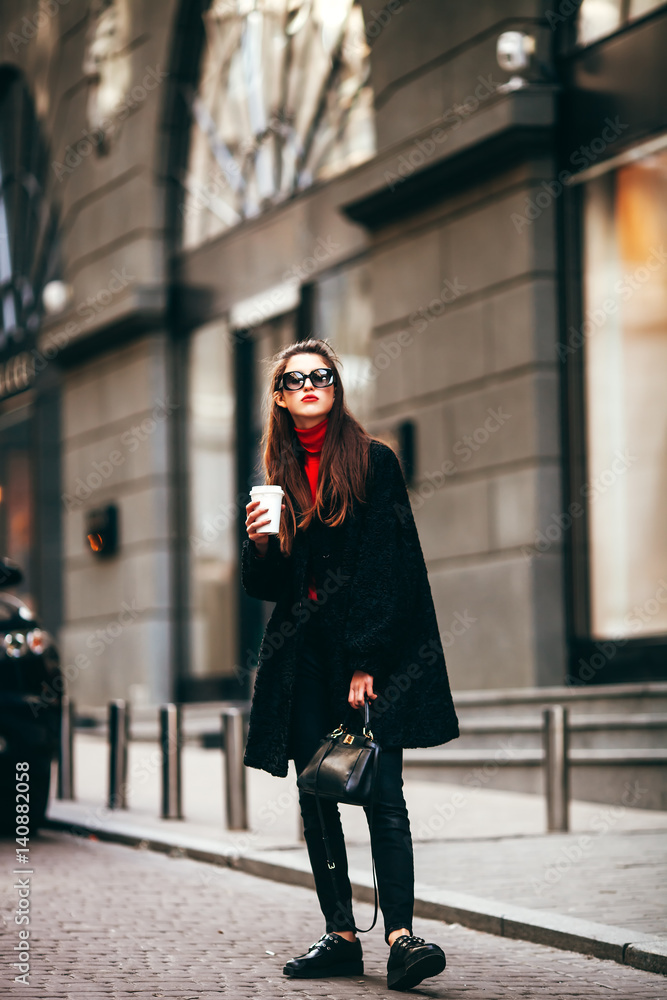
[{"x": 361, "y": 686}]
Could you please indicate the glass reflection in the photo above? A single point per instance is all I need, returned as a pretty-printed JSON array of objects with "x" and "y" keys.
[
  {"x": 284, "y": 99},
  {"x": 626, "y": 377}
]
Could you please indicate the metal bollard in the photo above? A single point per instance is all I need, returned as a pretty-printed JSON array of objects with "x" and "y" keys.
[
  {"x": 557, "y": 774},
  {"x": 119, "y": 726},
  {"x": 170, "y": 744},
  {"x": 235, "y": 784},
  {"x": 66, "y": 749}
]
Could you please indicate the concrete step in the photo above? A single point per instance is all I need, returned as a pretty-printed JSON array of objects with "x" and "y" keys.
[{"x": 610, "y": 699}]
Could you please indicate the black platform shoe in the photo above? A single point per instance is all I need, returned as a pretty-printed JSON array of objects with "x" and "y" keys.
[
  {"x": 411, "y": 959},
  {"x": 332, "y": 955}
]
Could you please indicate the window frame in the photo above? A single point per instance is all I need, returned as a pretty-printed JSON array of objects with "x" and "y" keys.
[
  {"x": 581, "y": 108},
  {"x": 639, "y": 658}
]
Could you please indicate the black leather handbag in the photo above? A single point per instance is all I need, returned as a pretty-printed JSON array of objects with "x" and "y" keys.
[{"x": 344, "y": 768}]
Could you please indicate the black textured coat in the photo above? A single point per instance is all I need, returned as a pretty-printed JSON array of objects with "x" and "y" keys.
[{"x": 378, "y": 613}]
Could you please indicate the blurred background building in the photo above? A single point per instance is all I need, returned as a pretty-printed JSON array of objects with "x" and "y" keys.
[{"x": 468, "y": 200}]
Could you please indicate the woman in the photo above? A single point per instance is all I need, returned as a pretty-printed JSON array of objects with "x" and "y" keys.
[{"x": 354, "y": 616}]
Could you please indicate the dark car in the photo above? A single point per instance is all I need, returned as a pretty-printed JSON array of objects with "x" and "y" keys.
[{"x": 30, "y": 705}]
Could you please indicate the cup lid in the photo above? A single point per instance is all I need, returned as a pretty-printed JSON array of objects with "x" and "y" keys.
[{"x": 266, "y": 489}]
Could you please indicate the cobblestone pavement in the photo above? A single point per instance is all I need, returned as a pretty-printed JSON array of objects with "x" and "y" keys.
[{"x": 111, "y": 921}]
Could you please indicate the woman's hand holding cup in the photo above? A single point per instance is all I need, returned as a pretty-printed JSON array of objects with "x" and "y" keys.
[{"x": 254, "y": 520}]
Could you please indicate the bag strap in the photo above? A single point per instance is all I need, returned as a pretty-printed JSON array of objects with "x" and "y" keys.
[
  {"x": 331, "y": 864},
  {"x": 325, "y": 836}
]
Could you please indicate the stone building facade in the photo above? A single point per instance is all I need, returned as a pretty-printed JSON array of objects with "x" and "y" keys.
[{"x": 210, "y": 181}]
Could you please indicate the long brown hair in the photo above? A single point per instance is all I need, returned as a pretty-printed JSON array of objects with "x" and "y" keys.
[{"x": 343, "y": 462}]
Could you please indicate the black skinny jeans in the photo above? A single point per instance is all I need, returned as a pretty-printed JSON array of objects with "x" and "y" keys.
[{"x": 391, "y": 838}]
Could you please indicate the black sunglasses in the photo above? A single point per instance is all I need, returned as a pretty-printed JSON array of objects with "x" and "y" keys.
[{"x": 320, "y": 378}]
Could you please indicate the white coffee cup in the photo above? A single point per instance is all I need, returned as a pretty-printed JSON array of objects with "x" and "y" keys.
[{"x": 270, "y": 497}]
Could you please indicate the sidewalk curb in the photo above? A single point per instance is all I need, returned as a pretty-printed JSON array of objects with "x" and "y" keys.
[{"x": 622, "y": 945}]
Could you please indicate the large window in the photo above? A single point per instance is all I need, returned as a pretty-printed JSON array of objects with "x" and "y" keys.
[
  {"x": 625, "y": 347},
  {"x": 284, "y": 99},
  {"x": 213, "y": 512}
]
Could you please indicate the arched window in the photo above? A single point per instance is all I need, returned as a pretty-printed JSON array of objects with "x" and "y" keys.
[{"x": 284, "y": 99}]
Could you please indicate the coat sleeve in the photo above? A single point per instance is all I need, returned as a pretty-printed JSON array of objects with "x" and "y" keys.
[
  {"x": 384, "y": 582},
  {"x": 268, "y": 578}
]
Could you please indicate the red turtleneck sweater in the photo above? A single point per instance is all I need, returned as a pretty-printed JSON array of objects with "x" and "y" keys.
[{"x": 312, "y": 439}]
